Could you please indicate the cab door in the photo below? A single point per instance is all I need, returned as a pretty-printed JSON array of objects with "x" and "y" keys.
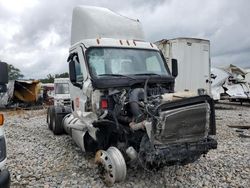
[{"x": 79, "y": 81}]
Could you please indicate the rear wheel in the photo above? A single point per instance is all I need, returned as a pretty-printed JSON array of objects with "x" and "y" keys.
[
  {"x": 49, "y": 122},
  {"x": 56, "y": 121}
]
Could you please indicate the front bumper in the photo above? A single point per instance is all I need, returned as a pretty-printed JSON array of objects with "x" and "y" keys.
[
  {"x": 179, "y": 153},
  {"x": 4, "y": 178}
]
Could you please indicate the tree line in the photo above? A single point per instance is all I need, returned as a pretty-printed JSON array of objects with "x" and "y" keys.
[
  {"x": 50, "y": 78},
  {"x": 15, "y": 74}
]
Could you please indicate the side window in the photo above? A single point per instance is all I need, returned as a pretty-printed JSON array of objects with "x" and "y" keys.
[
  {"x": 79, "y": 74},
  {"x": 153, "y": 65}
]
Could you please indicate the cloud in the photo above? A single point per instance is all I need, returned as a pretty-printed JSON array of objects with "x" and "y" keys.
[
  {"x": 226, "y": 24},
  {"x": 35, "y": 36}
]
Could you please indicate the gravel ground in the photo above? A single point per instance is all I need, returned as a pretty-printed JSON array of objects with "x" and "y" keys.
[{"x": 37, "y": 158}]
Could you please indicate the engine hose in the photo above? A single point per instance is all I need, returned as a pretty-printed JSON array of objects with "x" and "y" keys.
[
  {"x": 134, "y": 99},
  {"x": 145, "y": 91},
  {"x": 114, "y": 114}
]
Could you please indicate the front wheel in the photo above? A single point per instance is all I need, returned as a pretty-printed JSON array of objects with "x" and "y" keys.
[{"x": 111, "y": 165}]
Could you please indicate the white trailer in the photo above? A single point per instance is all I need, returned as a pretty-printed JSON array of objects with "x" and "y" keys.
[{"x": 193, "y": 56}]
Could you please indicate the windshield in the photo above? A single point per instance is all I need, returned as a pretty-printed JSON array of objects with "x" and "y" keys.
[
  {"x": 123, "y": 61},
  {"x": 61, "y": 88}
]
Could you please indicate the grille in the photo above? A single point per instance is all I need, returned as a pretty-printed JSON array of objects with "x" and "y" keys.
[
  {"x": 185, "y": 124},
  {"x": 66, "y": 102}
]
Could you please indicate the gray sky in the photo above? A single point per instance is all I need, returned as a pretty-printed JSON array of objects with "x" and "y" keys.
[{"x": 35, "y": 34}]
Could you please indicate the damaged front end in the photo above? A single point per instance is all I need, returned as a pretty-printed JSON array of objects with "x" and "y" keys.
[
  {"x": 165, "y": 129},
  {"x": 181, "y": 132}
]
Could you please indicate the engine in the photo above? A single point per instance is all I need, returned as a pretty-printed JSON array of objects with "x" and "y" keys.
[{"x": 149, "y": 126}]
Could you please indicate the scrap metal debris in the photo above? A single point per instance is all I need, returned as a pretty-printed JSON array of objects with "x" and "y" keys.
[
  {"x": 229, "y": 83},
  {"x": 21, "y": 93},
  {"x": 26, "y": 91}
]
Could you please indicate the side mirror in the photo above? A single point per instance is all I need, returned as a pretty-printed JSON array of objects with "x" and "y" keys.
[
  {"x": 4, "y": 78},
  {"x": 174, "y": 68},
  {"x": 72, "y": 72}
]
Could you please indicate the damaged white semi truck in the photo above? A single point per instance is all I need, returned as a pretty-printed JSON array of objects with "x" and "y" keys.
[{"x": 123, "y": 104}]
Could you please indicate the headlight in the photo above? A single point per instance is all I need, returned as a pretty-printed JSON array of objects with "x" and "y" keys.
[{"x": 2, "y": 148}]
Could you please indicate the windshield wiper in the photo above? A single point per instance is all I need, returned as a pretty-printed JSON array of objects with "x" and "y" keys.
[
  {"x": 148, "y": 74},
  {"x": 118, "y": 75}
]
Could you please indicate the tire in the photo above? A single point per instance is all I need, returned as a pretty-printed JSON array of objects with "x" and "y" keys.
[
  {"x": 56, "y": 121},
  {"x": 190, "y": 159},
  {"x": 49, "y": 114}
]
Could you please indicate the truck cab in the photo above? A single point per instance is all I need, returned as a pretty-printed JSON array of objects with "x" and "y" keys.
[
  {"x": 4, "y": 173},
  {"x": 61, "y": 100},
  {"x": 61, "y": 89},
  {"x": 123, "y": 104}
]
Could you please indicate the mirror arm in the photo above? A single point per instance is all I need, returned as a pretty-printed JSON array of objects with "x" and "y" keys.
[{"x": 78, "y": 85}]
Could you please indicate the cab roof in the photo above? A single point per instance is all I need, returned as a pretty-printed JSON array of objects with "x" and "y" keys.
[{"x": 117, "y": 43}]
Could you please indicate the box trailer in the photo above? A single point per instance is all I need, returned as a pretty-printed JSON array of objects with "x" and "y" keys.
[{"x": 193, "y": 56}]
